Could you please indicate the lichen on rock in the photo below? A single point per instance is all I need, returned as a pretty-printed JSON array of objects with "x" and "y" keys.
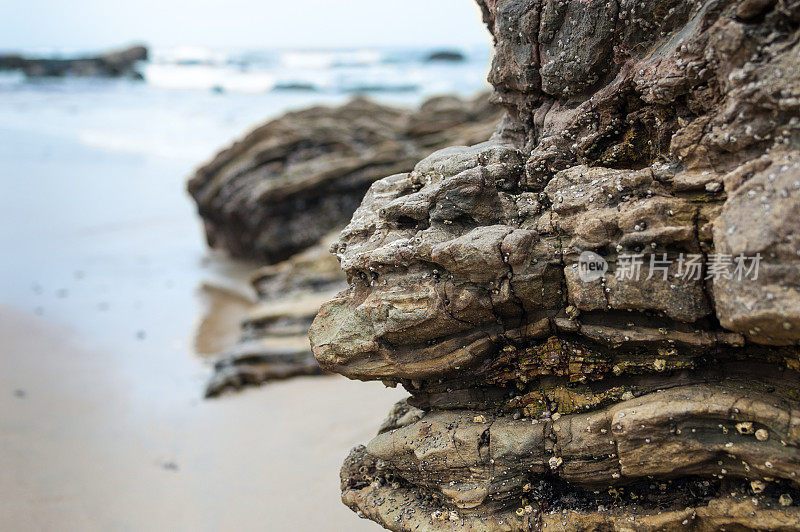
[{"x": 663, "y": 131}]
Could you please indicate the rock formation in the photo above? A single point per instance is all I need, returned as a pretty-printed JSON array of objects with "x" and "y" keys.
[
  {"x": 291, "y": 181},
  {"x": 279, "y": 192},
  {"x": 273, "y": 343},
  {"x": 597, "y": 312},
  {"x": 446, "y": 55},
  {"x": 112, "y": 64}
]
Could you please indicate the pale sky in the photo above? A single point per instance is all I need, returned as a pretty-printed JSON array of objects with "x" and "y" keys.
[{"x": 92, "y": 24}]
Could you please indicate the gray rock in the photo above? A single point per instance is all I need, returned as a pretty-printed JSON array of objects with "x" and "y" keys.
[{"x": 111, "y": 64}]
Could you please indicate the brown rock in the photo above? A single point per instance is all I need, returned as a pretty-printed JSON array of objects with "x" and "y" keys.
[
  {"x": 289, "y": 182},
  {"x": 273, "y": 340},
  {"x": 276, "y": 195},
  {"x": 662, "y": 137}
]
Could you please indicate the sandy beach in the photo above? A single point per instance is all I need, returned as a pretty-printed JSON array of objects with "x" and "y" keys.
[{"x": 80, "y": 452}]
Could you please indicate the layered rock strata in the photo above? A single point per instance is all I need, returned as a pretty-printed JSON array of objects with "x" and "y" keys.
[
  {"x": 273, "y": 343},
  {"x": 596, "y": 313},
  {"x": 282, "y": 189},
  {"x": 289, "y": 182}
]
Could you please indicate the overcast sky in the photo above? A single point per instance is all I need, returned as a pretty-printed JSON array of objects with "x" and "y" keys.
[{"x": 89, "y": 24}]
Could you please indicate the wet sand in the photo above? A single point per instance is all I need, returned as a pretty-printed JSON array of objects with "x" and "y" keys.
[
  {"x": 79, "y": 452},
  {"x": 224, "y": 308}
]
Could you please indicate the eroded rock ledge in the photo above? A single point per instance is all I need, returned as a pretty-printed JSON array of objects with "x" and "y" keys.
[
  {"x": 288, "y": 183},
  {"x": 273, "y": 342},
  {"x": 277, "y": 194},
  {"x": 659, "y": 129}
]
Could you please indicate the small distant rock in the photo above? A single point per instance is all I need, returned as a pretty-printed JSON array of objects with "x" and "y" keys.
[
  {"x": 447, "y": 55},
  {"x": 295, "y": 86},
  {"x": 112, "y": 64}
]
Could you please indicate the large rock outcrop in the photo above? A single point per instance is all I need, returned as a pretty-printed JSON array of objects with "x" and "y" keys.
[
  {"x": 659, "y": 141},
  {"x": 288, "y": 183},
  {"x": 280, "y": 191}
]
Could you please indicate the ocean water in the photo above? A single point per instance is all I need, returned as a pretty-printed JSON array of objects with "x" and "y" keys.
[{"x": 193, "y": 100}]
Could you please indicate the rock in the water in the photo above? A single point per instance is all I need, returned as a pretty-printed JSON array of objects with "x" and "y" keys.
[
  {"x": 588, "y": 307},
  {"x": 289, "y": 182},
  {"x": 446, "y": 55},
  {"x": 112, "y": 64}
]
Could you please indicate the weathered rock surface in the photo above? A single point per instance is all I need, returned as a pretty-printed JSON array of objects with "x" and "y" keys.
[
  {"x": 112, "y": 64},
  {"x": 657, "y": 133},
  {"x": 282, "y": 190},
  {"x": 273, "y": 344},
  {"x": 289, "y": 182}
]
